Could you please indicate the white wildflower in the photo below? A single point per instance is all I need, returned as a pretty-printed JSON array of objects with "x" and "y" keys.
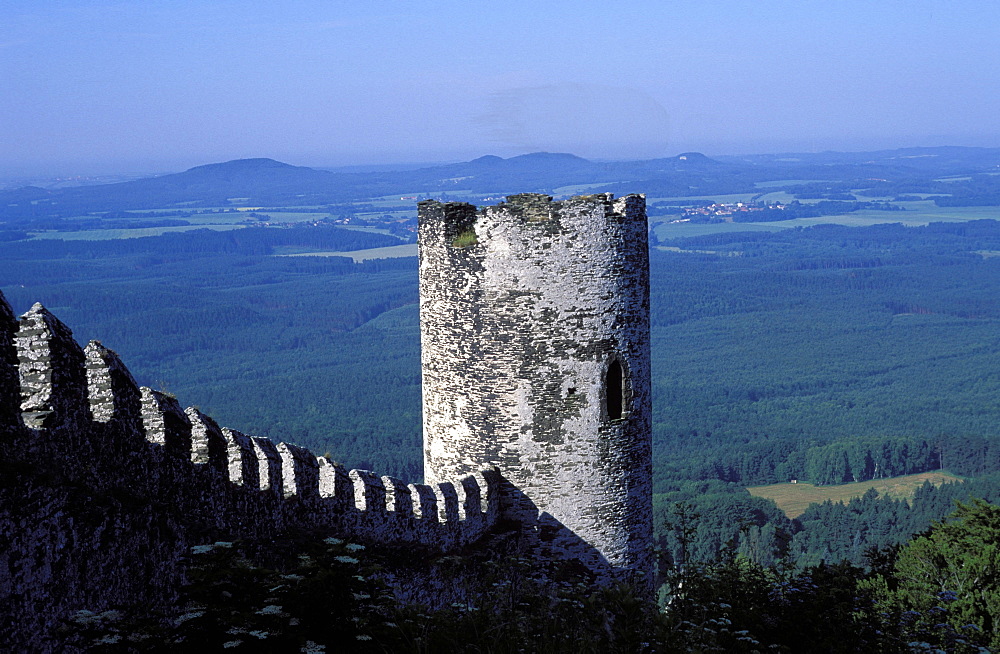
[{"x": 190, "y": 615}]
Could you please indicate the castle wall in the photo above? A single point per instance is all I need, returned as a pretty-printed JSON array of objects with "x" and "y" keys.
[
  {"x": 105, "y": 486},
  {"x": 535, "y": 345},
  {"x": 535, "y": 356}
]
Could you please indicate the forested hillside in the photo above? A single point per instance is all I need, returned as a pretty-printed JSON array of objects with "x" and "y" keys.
[
  {"x": 884, "y": 339},
  {"x": 827, "y": 354}
]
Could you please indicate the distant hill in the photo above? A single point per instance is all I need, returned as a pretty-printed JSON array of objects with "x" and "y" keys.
[
  {"x": 266, "y": 182},
  {"x": 209, "y": 185},
  {"x": 272, "y": 183}
]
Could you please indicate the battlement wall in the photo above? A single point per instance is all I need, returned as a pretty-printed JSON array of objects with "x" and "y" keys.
[{"x": 106, "y": 484}]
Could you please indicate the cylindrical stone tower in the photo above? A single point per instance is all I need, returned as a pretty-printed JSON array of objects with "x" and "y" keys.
[{"x": 534, "y": 326}]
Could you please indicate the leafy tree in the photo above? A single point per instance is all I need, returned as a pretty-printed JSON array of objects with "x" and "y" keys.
[{"x": 945, "y": 586}]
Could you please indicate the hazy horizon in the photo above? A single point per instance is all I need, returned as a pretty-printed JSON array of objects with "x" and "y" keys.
[
  {"x": 92, "y": 172},
  {"x": 106, "y": 87}
]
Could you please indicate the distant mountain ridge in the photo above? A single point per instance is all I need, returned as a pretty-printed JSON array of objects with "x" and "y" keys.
[{"x": 266, "y": 182}]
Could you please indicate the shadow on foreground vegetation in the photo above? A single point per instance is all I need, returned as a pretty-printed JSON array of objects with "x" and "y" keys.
[{"x": 938, "y": 592}]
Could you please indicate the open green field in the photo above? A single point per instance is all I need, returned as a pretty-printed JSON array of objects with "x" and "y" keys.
[
  {"x": 780, "y": 197},
  {"x": 390, "y": 252},
  {"x": 794, "y": 499},
  {"x": 917, "y": 213},
  {"x": 108, "y": 234},
  {"x": 789, "y": 182},
  {"x": 290, "y": 216},
  {"x": 217, "y": 219},
  {"x": 370, "y": 230}
]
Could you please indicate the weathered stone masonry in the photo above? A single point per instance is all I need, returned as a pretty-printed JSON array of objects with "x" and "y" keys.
[
  {"x": 536, "y": 383},
  {"x": 534, "y": 322},
  {"x": 104, "y": 487}
]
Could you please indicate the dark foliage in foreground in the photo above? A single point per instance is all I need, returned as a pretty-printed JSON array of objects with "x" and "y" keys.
[{"x": 940, "y": 592}]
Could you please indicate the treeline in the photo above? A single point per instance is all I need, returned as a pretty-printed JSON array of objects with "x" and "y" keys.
[
  {"x": 698, "y": 522},
  {"x": 246, "y": 241},
  {"x": 884, "y": 338},
  {"x": 318, "y": 351},
  {"x": 808, "y": 356},
  {"x": 981, "y": 189},
  {"x": 845, "y": 460},
  {"x": 796, "y": 209},
  {"x": 975, "y": 191},
  {"x": 834, "y": 531}
]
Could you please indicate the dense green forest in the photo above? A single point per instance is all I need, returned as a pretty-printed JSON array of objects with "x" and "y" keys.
[
  {"x": 807, "y": 356},
  {"x": 827, "y": 354},
  {"x": 883, "y": 338}
]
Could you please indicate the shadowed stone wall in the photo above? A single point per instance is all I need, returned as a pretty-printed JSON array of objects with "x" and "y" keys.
[{"x": 105, "y": 486}]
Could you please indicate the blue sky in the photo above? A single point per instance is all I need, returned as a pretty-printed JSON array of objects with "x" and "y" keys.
[{"x": 159, "y": 85}]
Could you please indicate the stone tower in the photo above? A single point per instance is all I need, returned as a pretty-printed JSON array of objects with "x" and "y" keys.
[{"x": 534, "y": 326}]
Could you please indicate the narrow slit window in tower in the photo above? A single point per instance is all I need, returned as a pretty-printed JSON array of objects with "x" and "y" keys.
[{"x": 614, "y": 383}]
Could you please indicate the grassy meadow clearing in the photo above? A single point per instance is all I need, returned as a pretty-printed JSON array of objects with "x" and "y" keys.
[{"x": 794, "y": 498}]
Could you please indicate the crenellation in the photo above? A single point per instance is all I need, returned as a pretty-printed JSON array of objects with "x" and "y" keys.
[
  {"x": 489, "y": 491},
  {"x": 268, "y": 464},
  {"x": 52, "y": 372},
  {"x": 243, "y": 466},
  {"x": 165, "y": 423},
  {"x": 461, "y": 492},
  {"x": 424, "y": 502},
  {"x": 299, "y": 472},
  {"x": 369, "y": 493},
  {"x": 447, "y": 221},
  {"x": 208, "y": 445},
  {"x": 446, "y": 498},
  {"x": 472, "y": 503},
  {"x": 335, "y": 484},
  {"x": 113, "y": 393},
  {"x": 397, "y": 497}
]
